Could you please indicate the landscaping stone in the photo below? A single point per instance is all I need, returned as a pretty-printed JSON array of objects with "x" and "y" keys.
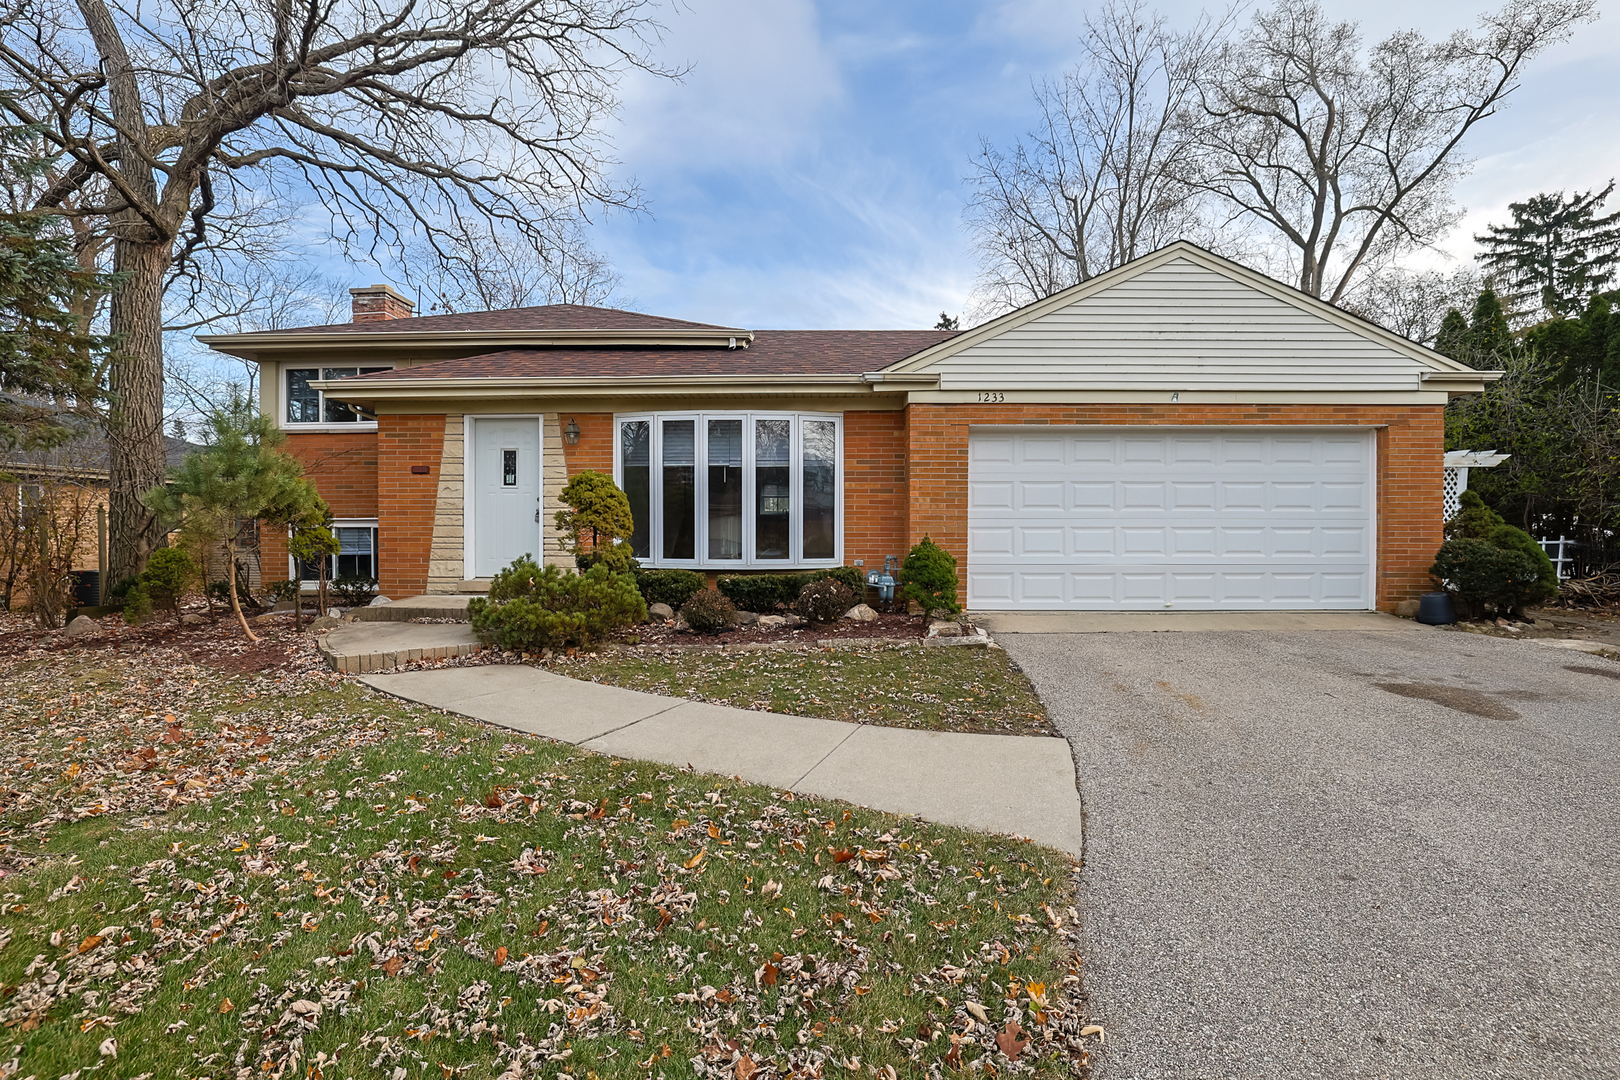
[
  {"x": 325, "y": 622},
  {"x": 660, "y": 612},
  {"x": 379, "y": 601},
  {"x": 1407, "y": 609},
  {"x": 772, "y": 622},
  {"x": 793, "y": 620},
  {"x": 746, "y": 618},
  {"x": 861, "y": 613},
  {"x": 191, "y": 618},
  {"x": 944, "y": 628},
  {"x": 83, "y": 627}
]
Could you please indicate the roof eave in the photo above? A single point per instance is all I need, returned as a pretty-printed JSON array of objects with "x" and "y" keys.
[
  {"x": 724, "y": 385},
  {"x": 249, "y": 345}
]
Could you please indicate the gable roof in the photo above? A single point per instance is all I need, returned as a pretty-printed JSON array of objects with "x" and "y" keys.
[{"x": 1183, "y": 318}]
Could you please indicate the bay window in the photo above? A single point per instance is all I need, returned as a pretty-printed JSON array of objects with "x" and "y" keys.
[{"x": 732, "y": 489}]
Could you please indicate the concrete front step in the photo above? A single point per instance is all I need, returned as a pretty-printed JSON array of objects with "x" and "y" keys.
[
  {"x": 415, "y": 607},
  {"x": 362, "y": 648}
]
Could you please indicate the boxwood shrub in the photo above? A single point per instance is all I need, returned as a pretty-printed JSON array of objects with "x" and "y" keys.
[
  {"x": 530, "y": 608},
  {"x": 672, "y": 587},
  {"x": 1482, "y": 576},
  {"x": 765, "y": 593}
]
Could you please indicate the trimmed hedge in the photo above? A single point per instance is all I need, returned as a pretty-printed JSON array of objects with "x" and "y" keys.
[
  {"x": 672, "y": 587},
  {"x": 765, "y": 593},
  {"x": 530, "y": 609}
]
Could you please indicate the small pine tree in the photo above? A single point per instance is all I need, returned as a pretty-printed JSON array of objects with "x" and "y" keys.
[
  {"x": 597, "y": 521},
  {"x": 241, "y": 474}
]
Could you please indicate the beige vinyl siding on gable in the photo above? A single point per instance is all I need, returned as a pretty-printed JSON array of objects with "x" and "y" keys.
[{"x": 1179, "y": 326}]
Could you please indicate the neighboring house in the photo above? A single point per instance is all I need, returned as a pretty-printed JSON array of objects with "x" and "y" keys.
[
  {"x": 1179, "y": 433},
  {"x": 70, "y": 480}
]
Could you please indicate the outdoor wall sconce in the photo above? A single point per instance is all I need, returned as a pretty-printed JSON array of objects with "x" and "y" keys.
[{"x": 571, "y": 433}]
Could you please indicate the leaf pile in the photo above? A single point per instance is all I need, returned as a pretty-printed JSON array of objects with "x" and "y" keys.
[{"x": 277, "y": 877}]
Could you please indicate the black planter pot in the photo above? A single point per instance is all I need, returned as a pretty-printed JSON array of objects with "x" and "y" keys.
[{"x": 1434, "y": 608}]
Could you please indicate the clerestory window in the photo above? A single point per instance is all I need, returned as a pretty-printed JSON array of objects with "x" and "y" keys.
[{"x": 726, "y": 490}]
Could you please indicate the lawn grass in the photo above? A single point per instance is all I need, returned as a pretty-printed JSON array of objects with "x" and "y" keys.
[
  {"x": 934, "y": 689},
  {"x": 233, "y": 877}
]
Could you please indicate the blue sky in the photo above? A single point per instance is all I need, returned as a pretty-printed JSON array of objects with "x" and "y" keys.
[{"x": 808, "y": 171}]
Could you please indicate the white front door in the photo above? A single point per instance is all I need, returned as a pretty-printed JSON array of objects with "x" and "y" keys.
[
  {"x": 506, "y": 492},
  {"x": 1158, "y": 518}
]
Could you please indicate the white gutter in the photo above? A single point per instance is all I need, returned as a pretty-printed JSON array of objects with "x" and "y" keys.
[{"x": 459, "y": 339}]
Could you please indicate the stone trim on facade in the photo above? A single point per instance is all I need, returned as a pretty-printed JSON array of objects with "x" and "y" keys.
[{"x": 446, "y": 560}]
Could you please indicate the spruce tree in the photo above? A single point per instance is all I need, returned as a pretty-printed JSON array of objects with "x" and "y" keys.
[
  {"x": 1557, "y": 252},
  {"x": 1452, "y": 340}
]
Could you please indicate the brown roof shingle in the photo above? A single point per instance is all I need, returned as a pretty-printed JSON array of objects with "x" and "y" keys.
[
  {"x": 512, "y": 320},
  {"x": 773, "y": 352}
]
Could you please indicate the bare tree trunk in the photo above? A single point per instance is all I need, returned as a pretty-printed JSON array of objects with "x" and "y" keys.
[
  {"x": 137, "y": 462},
  {"x": 230, "y": 584}
]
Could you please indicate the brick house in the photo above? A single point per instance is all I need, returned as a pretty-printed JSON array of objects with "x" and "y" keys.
[{"x": 1179, "y": 433}]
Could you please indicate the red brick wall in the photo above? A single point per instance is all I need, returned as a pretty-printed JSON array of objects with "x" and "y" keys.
[
  {"x": 1411, "y": 449},
  {"x": 874, "y": 486},
  {"x": 595, "y": 447},
  {"x": 406, "y": 500},
  {"x": 343, "y": 465}
]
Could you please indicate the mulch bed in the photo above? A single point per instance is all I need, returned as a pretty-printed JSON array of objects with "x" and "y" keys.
[{"x": 217, "y": 643}]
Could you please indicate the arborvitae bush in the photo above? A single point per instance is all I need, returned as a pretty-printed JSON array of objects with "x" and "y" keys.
[
  {"x": 708, "y": 612},
  {"x": 1482, "y": 576},
  {"x": 530, "y": 609},
  {"x": 824, "y": 601},
  {"x": 1476, "y": 521},
  {"x": 928, "y": 578},
  {"x": 672, "y": 587}
]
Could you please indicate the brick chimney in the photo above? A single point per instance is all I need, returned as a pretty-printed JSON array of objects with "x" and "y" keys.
[{"x": 374, "y": 302}]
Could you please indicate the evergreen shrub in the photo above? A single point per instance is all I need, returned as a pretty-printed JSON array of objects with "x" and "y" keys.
[
  {"x": 765, "y": 593},
  {"x": 530, "y": 609},
  {"x": 928, "y": 578},
  {"x": 672, "y": 587},
  {"x": 1482, "y": 576}
]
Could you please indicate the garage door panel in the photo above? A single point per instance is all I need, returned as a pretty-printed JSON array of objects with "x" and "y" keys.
[
  {"x": 1133, "y": 521},
  {"x": 1034, "y": 496}
]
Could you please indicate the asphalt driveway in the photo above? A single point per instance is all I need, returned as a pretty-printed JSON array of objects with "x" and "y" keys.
[{"x": 1344, "y": 854}]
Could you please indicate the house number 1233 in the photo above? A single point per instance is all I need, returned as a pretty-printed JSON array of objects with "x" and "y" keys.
[{"x": 994, "y": 397}]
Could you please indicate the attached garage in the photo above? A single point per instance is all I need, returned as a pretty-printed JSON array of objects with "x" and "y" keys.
[{"x": 1185, "y": 518}]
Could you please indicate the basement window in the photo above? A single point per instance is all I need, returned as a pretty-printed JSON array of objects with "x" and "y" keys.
[
  {"x": 307, "y": 405},
  {"x": 733, "y": 490}
]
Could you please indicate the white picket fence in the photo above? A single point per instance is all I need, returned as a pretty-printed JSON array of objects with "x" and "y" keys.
[{"x": 1559, "y": 552}]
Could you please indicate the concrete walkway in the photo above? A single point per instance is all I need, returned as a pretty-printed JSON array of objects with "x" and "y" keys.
[{"x": 995, "y": 783}]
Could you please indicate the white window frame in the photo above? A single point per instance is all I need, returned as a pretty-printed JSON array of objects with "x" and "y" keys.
[
  {"x": 655, "y": 497},
  {"x": 284, "y": 398},
  {"x": 339, "y": 523}
]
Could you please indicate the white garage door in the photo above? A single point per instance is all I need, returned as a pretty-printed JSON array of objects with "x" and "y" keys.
[{"x": 1153, "y": 518}]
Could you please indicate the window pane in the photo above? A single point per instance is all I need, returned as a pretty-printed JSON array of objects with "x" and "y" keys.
[
  {"x": 772, "y": 488},
  {"x": 635, "y": 455},
  {"x": 680, "y": 489},
  {"x": 336, "y": 412},
  {"x": 820, "y": 491},
  {"x": 725, "y": 489},
  {"x": 303, "y": 401}
]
